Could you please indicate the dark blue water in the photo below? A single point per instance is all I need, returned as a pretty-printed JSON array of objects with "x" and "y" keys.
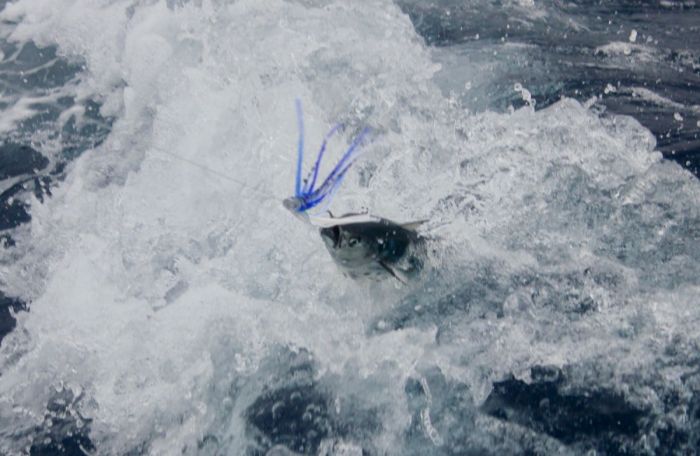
[
  {"x": 640, "y": 59},
  {"x": 562, "y": 51}
]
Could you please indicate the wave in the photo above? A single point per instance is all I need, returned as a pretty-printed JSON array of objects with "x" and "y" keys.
[{"x": 173, "y": 311}]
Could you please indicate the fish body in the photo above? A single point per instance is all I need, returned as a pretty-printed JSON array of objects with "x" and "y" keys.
[{"x": 375, "y": 249}]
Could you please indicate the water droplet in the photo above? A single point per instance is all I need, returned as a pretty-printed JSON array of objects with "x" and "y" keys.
[{"x": 633, "y": 36}]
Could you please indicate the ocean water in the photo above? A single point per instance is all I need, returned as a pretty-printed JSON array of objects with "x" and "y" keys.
[{"x": 158, "y": 299}]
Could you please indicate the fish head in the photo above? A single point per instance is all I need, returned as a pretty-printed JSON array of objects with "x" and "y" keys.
[{"x": 348, "y": 247}]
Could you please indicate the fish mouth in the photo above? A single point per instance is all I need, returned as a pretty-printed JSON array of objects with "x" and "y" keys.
[{"x": 331, "y": 236}]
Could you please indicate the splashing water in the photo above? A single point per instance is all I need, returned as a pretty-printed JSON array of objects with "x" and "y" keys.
[{"x": 173, "y": 312}]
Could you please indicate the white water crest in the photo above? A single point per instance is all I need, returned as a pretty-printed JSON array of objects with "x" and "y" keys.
[{"x": 166, "y": 298}]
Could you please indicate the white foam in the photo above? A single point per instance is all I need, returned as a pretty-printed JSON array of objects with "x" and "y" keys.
[
  {"x": 654, "y": 97},
  {"x": 156, "y": 285},
  {"x": 627, "y": 49},
  {"x": 633, "y": 36}
]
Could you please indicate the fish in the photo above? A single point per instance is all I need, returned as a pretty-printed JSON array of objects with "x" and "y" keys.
[
  {"x": 375, "y": 248},
  {"x": 363, "y": 245}
]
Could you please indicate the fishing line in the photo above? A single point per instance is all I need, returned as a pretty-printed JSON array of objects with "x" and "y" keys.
[
  {"x": 217, "y": 173},
  {"x": 305, "y": 195}
]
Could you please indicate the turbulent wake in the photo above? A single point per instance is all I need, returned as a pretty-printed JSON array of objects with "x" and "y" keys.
[{"x": 163, "y": 309}]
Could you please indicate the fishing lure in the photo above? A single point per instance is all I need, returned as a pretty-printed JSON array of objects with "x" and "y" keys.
[
  {"x": 363, "y": 245},
  {"x": 306, "y": 194}
]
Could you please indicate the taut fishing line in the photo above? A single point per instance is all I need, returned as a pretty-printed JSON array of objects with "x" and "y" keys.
[
  {"x": 217, "y": 173},
  {"x": 306, "y": 194}
]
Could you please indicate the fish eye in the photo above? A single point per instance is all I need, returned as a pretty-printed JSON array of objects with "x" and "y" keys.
[{"x": 352, "y": 242}]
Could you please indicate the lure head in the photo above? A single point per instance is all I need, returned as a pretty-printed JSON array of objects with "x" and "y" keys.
[{"x": 293, "y": 204}]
